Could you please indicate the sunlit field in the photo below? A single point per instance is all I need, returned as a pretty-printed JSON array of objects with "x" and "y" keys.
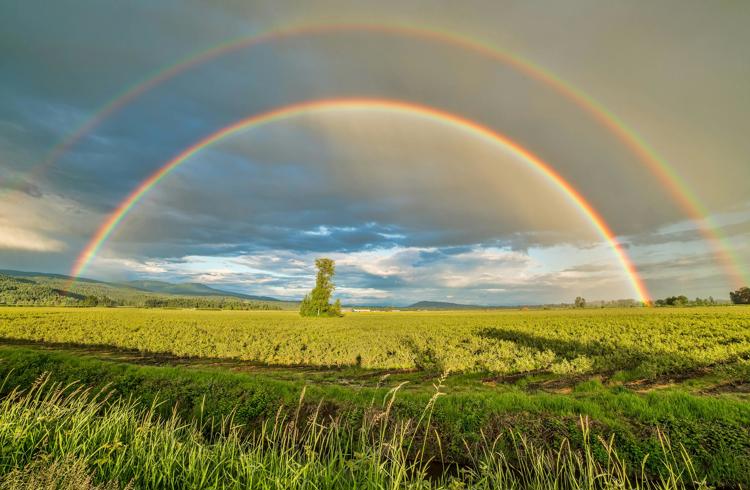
[
  {"x": 544, "y": 399},
  {"x": 648, "y": 342}
]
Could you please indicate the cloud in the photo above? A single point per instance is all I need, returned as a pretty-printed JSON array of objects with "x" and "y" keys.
[
  {"x": 354, "y": 194},
  {"x": 394, "y": 275},
  {"x": 451, "y": 208},
  {"x": 40, "y": 223},
  {"x": 726, "y": 226},
  {"x": 14, "y": 238},
  {"x": 20, "y": 185}
]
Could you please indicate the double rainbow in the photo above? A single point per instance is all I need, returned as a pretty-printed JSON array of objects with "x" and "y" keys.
[{"x": 657, "y": 165}]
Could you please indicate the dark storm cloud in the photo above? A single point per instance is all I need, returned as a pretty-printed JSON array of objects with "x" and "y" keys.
[
  {"x": 179, "y": 113},
  {"x": 306, "y": 206},
  {"x": 697, "y": 263},
  {"x": 728, "y": 230},
  {"x": 20, "y": 185}
]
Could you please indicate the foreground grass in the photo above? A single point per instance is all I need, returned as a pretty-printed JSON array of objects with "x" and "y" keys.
[
  {"x": 67, "y": 437},
  {"x": 714, "y": 430}
]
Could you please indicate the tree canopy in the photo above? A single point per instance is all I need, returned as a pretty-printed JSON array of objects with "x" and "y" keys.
[
  {"x": 318, "y": 301},
  {"x": 741, "y": 296}
]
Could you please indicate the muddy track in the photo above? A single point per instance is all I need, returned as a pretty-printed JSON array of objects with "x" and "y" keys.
[
  {"x": 344, "y": 374},
  {"x": 565, "y": 385},
  {"x": 360, "y": 377}
]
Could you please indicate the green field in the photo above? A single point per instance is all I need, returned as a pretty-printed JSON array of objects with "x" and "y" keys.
[
  {"x": 507, "y": 379},
  {"x": 647, "y": 342}
]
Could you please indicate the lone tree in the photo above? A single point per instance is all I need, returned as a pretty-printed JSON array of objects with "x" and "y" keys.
[
  {"x": 741, "y": 296},
  {"x": 580, "y": 302},
  {"x": 317, "y": 303}
]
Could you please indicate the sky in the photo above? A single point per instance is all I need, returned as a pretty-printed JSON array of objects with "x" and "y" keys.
[{"x": 410, "y": 208}]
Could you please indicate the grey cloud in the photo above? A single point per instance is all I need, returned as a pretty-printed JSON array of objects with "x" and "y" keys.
[
  {"x": 10, "y": 184},
  {"x": 680, "y": 82},
  {"x": 730, "y": 230},
  {"x": 592, "y": 268}
]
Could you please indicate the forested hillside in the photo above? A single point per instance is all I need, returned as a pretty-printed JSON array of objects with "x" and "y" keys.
[{"x": 30, "y": 289}]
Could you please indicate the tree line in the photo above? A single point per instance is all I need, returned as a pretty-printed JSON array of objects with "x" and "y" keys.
[
  {"x": 208, "y": 303},
  {"x": 740, "y": 296},
  {"x": 16, "y": 291}
]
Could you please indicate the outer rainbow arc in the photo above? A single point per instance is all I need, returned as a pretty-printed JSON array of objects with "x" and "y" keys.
[
  {"x": 456, "y": 121},
  {"x": 671, "y": 179}
]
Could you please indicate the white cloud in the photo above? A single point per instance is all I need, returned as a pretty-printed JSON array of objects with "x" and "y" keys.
[
  {"x": 116, "y": 266},
  {"x": 15, "y": 238},
  {"x": 478, "y": 274},
  {"x": 29, "y": 222}
]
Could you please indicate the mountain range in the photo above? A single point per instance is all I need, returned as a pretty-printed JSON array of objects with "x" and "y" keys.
[
  {"x": 190, "y": 289},
  {"x": 40, "y": 288}
]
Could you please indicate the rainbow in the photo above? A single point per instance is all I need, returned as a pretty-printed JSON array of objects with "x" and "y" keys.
[
  {"x": 671, "y": 180},
  {"x": 454, "y": 121}
]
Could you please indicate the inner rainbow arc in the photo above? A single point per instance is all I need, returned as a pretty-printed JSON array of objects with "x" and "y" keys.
[{"x": 456, "y": 121}]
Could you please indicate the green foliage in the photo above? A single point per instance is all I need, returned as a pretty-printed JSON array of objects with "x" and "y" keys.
[
  {"x": 94, "y": 438},
  {"x": 650, "y": 342},
  {"x": 19, "y": 291},
  {"x": 203, "y": 302},
  {"x": 579, "y": 302},
  {"x": 714, "y": 430},
  {"x": 318, "y": 301},
  {"x": 47, "y": 291},
  {"x": 91, "y": 301},
  {"x": 45, "y": 473},
  {"x": 740, "y": 296},
  {"x": 681, "y": 300}
]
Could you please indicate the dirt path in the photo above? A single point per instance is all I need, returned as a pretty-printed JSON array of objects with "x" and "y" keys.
[
  {"x": 358, "y": 377},
  {"x": 331, "y": 375}
]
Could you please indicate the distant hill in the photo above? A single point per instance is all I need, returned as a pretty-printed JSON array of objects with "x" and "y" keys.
[
  {"x": 442, "y": 305},
  {"x": 191, "y": 289},
  {"x": 46, "y": 275},
  {"x": 44, "y": 289}
]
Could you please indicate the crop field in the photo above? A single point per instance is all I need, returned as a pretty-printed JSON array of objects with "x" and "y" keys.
[
  {"x": 649, "y": 341},
  {"x": 659, "y": 398}
]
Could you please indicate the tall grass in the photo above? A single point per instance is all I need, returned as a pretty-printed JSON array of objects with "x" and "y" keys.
[{"x": 66, "y": 437}]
